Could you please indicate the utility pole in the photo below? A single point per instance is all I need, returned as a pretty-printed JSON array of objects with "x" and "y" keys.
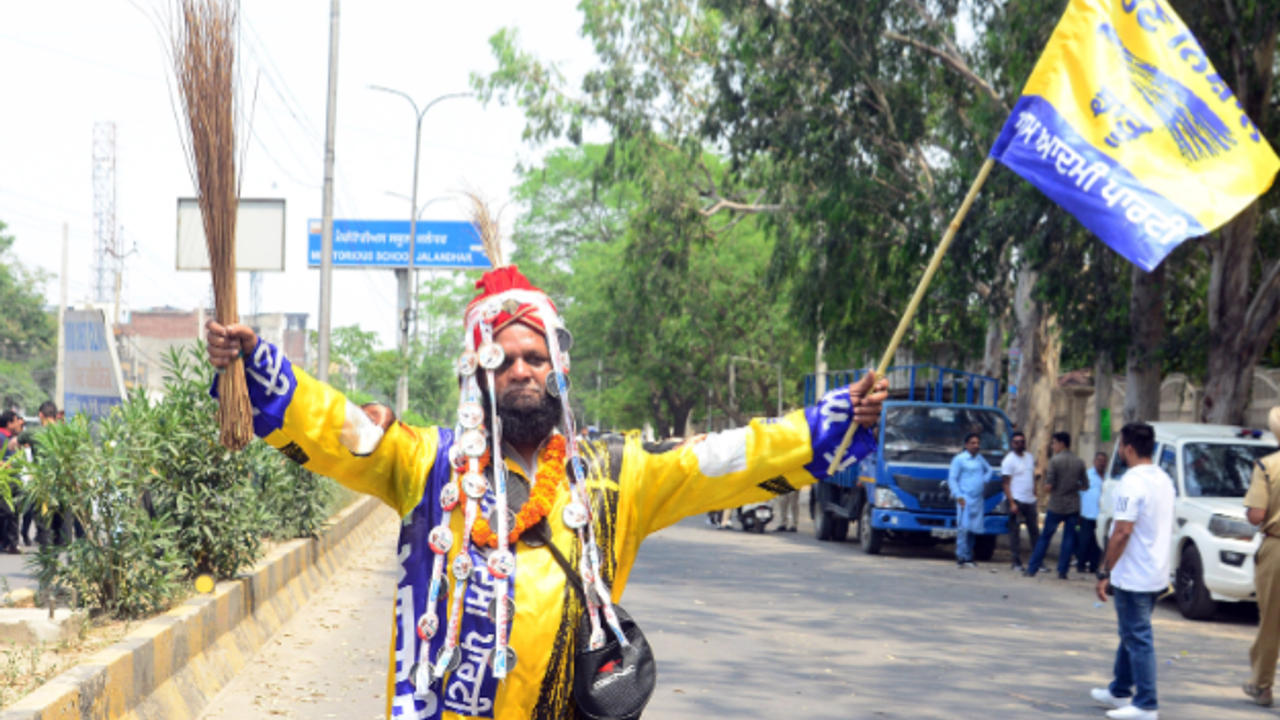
[
  {"x": 60, "y": 380},
  {"x": 404, "y": 309},
  {"x": 326, "y": 231}
]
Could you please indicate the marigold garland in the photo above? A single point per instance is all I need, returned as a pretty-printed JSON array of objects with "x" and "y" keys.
[{"x": 549, "y": 477}]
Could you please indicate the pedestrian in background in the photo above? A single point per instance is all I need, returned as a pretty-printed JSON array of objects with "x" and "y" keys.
[
  {"x": 1087, "y": 550},
  {"x": 966, "y": 479},
  {"x": 10, "y": 512},
  {"x": 1017, "y": 472},
  {"x": 787, "y": 506},
  {"x": 47, "y": 520},
  {"x": 1064, "y": 479},
  {"x": 1263, "y": 503},
  {"x": 1136, "y": 569}
]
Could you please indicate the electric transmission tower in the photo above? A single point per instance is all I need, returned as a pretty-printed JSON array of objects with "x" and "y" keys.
[{"x": 106, "y": 255}]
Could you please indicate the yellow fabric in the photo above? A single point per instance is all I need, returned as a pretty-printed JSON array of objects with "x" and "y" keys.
[
  {"x": 1079, "y": 61},
  {"x": 652, "y": 490},
  {"x": 395, "y": 472}
]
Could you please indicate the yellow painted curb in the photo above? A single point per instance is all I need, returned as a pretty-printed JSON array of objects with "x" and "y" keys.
[
  {"x": 173, "y": 664},
  {"x": 20, "y": 598}
]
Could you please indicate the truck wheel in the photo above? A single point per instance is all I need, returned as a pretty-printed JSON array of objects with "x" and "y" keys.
[
  {"x": 984, "y": 547},
  {"x": 871, "y": 538},
  {"x": 1193, "y": 597},
  {"x": 827, "y": 525}
]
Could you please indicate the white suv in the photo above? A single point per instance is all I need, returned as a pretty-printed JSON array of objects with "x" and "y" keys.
[{"x": 1211, "y": 556}]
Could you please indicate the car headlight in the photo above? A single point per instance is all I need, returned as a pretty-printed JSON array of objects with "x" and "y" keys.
[
  {"x": 887, "y": 498},
  {"x": 1002, "y": 508},
  {"x": 1225, "y": 526}
]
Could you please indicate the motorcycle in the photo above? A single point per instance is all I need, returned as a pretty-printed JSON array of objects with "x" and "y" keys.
[{"x": 755, "y": 516}]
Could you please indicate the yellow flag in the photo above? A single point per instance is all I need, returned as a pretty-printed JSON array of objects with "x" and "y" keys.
[{"x": 1126, "y": 124}]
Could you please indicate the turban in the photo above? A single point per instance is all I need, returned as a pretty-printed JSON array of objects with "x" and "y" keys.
[{"x": 508, "y": 296}]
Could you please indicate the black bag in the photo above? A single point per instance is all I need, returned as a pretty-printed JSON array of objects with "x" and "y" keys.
[{"x": 611, "y": 682}]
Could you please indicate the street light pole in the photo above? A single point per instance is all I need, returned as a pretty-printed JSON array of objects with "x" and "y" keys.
[{"x": 402, "y": 274}]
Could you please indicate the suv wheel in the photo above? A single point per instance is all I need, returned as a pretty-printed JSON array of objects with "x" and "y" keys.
[
  {"x": 871, "y": 538},
  {"x": 1193, "y": 597},
  {"x": 826, "y": 524}
]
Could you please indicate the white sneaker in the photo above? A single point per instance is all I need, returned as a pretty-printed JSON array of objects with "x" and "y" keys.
[
  {"x": 1103, "y": 697},
  {"x": 1132, "y": 712}
]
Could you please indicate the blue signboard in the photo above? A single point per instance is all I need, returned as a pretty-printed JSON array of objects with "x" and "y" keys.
[{"x": 385, "y": 244}]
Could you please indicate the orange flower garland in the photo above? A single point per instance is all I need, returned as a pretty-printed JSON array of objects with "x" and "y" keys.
[{"x": 549, "y": 478}]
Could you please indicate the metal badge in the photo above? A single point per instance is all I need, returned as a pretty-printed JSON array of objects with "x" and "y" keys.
[
  {"x": 510, "y": 659},
  {"x": 554, "y": 381},
  {"x": 447, "y": 660},
  {"x": 462, "y": 566},
  {"x": 474, "y": 485},
  {"x": 493, "y": 607},
  {"x": 574, "y": 515},
  {"x": 490, "y": 356},
  {"x": 470, "y": 415},
  {"x": 511, "y": 306},
  {"x": 491, "y": 310},
  {"x": 501, "y": 564},
  {"x": 493, "y": 519},
  {"x": 597, "y": 638},
  {"x": 428, "y": 624},
  {"x": 440, "y": 539},
  {"x": 564, "y": 338},
  {"x": 473, "y": 443},
  {"x": 466, "y": 363},
  {"x": 449, "y": 496}
]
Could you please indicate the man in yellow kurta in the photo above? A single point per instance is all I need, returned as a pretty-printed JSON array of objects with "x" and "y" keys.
[{"x": 596, "y": 500}]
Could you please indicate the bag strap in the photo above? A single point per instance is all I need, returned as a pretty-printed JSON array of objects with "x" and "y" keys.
[{"x": 541, "y": 531}]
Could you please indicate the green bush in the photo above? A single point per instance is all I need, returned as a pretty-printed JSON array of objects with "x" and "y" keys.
[
  {"x": 161, "y": 500},
  {"x": 127, "y": 563}
]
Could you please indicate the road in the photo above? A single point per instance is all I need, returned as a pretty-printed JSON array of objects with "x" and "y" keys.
[{"x": 782, "y": 626}]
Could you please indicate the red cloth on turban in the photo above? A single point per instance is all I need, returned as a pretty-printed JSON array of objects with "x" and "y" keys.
[{"x": 500, "y": 280}]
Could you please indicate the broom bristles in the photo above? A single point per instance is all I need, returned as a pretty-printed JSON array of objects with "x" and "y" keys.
[
  {"x": 488, "y": 228},
  {"x": 204, "y": 62}
]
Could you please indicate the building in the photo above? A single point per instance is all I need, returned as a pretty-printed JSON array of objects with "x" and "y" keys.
[{"x": 152, "y": 334}]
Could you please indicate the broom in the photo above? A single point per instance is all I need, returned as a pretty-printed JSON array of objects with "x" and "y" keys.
[{"x": 204, "y": 63}]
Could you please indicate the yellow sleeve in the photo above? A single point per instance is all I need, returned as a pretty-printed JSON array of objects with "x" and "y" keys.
[
  {"x": 711, "y": 472},
  {"x": 315, "y": 425}
]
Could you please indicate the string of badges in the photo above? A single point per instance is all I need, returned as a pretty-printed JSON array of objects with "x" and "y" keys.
[{"x": 473, "y": 439}]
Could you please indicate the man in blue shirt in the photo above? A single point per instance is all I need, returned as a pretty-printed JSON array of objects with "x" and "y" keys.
[
  {"x": 968, "y": 476},
  {"x": 1087, "y": 550}
]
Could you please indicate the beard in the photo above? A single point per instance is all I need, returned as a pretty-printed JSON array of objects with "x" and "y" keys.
[{"x": 528, "y": 423}]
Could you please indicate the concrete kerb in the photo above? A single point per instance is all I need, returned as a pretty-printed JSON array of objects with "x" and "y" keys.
[{"x": 172, "y": 665}]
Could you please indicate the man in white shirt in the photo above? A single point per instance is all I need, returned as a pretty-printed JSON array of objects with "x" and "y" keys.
[
  {"x": 1136, "y": 568},
  {"x": 1017, "y": 471}
]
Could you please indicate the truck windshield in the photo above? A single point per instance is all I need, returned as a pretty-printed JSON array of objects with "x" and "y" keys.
[
  {"x": 1219, "y": 469},
  {"x": 935, "y": 434}
]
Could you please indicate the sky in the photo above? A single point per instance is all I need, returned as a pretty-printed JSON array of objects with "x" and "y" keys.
[{"x": 67, "y": 65}]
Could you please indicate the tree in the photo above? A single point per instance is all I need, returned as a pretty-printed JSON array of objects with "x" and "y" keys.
[
  {"x": 1240, "y": 39},
  {"x": 659, "y": 295},
  {"x": 27, "y": 333}
]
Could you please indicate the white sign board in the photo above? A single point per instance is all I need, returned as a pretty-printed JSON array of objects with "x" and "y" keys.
[
  {"x": 259, "y": 235},
  {"x": 93, "y": 382}
]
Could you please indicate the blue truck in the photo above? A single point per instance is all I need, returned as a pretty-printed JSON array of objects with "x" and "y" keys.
[{"x": 900, "y": 493}]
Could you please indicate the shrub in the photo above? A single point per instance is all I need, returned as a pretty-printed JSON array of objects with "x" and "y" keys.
[{"x": 161, "y": 500}]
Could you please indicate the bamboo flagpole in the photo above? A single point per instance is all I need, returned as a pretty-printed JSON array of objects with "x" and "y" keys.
[
  {"x": 910, "y": 313},
  {"x": 204, "y": 64}
]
